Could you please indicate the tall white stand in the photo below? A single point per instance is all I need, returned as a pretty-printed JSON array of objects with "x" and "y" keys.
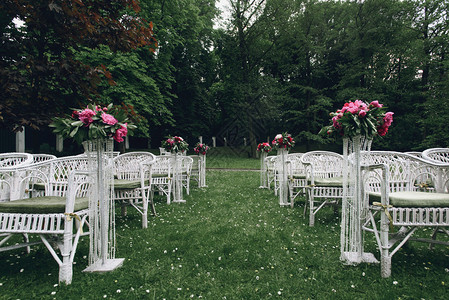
[
  {"x": 101, "y": 207},
  {"x": 202, "y": 171},
  {"x": 177, "y": 178},
  {"x": 282, "y": 169},
  {"x": 263, "y": 170},
  {"x": 354, "y": 207}
]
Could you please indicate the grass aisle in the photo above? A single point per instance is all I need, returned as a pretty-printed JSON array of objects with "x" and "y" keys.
[{"x": 229, "y": 241}]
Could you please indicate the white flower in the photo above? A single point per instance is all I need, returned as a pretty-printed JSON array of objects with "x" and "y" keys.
[
  {"x": 119, "y": 291},
  {"x": 279, "y": 136},
  {"x": 53, "y": 293},
  {"x": 395, "y": 282}
]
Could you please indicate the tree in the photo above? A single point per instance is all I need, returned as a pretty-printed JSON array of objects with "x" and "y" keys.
[
  {"x": 249, "y": 91},
  {"x": 40, "y": 76}
]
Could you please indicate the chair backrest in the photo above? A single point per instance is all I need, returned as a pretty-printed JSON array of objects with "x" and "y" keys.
[
  {"x": 128, "y": 165},
  {"x": 439, "y": 155},
  {"x": 296, "y": 167},
  {"x": 163, "y": 165},
  {"x": 37, "y": 158},
  {"x": 52, "y": 174},
  {"x": 15, "y": 159},
  {"x": 325, "y": 164},
  {"x": 407, "y": 172},
  {"x": 195, "y": 162},
  {"x": 186, "y": 164}
]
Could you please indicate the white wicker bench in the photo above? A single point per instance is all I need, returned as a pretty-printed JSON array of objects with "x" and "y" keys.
[
  {"x": 59, "y": 193},
  {"x": 408, "y": 193}
]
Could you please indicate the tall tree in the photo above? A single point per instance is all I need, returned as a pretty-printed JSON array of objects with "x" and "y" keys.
[
  {"x": 254, "y": 28},
  {"x": 184, "y": 64}
]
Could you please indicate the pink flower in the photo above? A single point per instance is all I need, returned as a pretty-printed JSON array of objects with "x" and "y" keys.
[
  {"x": 375, "y": 104},
  {"x": 382, "y": 130},
  {"x": 120, "y": 133},
  {"x": 388, "y": 119},
  {"x": 335, "y": 122},
  {"x": 108, "y": 119},
  {"x": 86, "y": 116},
  {"x": 362, "y": 114}
]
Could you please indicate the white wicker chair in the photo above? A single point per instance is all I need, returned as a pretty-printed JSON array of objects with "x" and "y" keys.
[
  {"x": 62, "y": 199},
  {"x": 162, "y": 151},
  {"x": 195, "y": 170},
  {"x": 324, "y": 174},
  {"x": 186, "y": 171},
  {"x": 162, "y": 177},
  {"x": 269, "y": 162},
  {"x": 297, "y": 180},
  {"x": 132, "y": 185},
  {"x": 408, "y": 193}
]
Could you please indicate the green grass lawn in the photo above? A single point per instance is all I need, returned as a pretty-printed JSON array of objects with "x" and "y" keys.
[{"x": 230, "y": 240}]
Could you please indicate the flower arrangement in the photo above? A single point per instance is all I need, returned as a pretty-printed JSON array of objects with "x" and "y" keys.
[
  {"x": 175, "y": 144},
  {"x": 283, "y": 140},
  {"x": 264, "y": 147},
  {"x": 94, "y": 122},
  {"x": 201, "y": 148},
  {"x": 359, "y": 118}
]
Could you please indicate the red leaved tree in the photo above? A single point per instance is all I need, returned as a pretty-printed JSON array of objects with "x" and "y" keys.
[{"x": 40, "y": 76}]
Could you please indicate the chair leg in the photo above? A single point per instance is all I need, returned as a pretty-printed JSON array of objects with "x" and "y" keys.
[
  {"x": 311, "y": 209},
  {"x": 385, "y": 257},
  {"x": 66, "y": 267},
  {"x": 124, "y": 208},
  {"x": 153, "y": 208},
  {"x": 144, "y": 211}
]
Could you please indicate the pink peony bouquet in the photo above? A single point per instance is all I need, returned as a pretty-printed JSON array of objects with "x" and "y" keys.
[
  {"x": 283, "y": 140},
  {"x": 359, "y": 118},
  {"x": 94, "y": 122},
  {"x": 175, "y": 144},
  {"x": 264, "y": 147},
  {"x": 201, "y": 148}
]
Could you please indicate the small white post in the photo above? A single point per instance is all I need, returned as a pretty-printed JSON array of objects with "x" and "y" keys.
[
  {"x": 244, "y": 142},
  {"x": 59, "y": 143},
  {"x": 225, "y": 142},
  {"x": 20, "y": 141},
  {"x": 214, "y": 142},
  {"x": 201, "y": 139}
]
